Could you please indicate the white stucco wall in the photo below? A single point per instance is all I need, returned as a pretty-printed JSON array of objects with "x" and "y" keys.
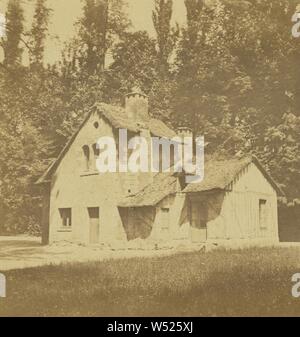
[
  {"x": 73, "y": 187},
  {"x": 239, "y": 216}
]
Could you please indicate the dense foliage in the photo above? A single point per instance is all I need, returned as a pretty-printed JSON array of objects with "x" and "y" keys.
[{"x": 231, "y": 73}]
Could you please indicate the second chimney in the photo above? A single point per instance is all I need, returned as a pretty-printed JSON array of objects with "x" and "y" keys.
[{"x": 136, "y": 105}]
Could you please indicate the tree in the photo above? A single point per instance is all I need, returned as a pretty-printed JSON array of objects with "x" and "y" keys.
[
  {"x": 234, "y": 78},
  {"x": 14, "y": 30},
  {"x": 194, "y": 9},
  {"x": 281, "y": 153},
  {"x": 93, "y": 34},
  {"x": 101, "y": 23},
  {"x": 166, "y": 37},
  {"x": 38, "y": 33},
  {"x": 85, "y": 79},
  {"x": 134, "y": 64},
  {"x": 207, "y": 73}
]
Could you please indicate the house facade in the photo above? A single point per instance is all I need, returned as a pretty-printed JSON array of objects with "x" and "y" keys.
[{"x": 236, "y": 200}]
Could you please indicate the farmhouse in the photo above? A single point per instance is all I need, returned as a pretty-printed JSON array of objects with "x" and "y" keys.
[{"x": 237, "y": 200}]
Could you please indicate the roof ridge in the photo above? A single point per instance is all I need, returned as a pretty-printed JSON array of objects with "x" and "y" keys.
[{"x": 217, "y": 179}]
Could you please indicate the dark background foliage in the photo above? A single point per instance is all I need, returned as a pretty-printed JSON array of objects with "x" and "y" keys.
[{"x": 231, "y": 73}]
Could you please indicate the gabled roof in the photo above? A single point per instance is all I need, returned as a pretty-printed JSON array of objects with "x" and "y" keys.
[
  {"x": 163, "y": 185},
  {"x": 219, "y": 174},
  {"x": 118, "y": 119}
]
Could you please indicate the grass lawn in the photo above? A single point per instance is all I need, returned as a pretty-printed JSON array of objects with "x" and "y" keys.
[{"x": 219, "y": 283}]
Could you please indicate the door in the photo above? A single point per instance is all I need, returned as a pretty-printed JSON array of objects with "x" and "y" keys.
[
  {"x": 165, "y": 224},
  {"x": 198, "y": 221},
  {"x": 94, "y": 224}
]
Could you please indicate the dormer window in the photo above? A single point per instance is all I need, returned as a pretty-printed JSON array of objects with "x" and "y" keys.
[{"x": 86, "y": 153}]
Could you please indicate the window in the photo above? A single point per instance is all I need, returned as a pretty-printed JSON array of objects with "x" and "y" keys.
[
  {"x": 66, "y": 217},
  {"x": 96, "y": 155},
  {"x": 96, "y": 150},
  {"x": 263, "y": 214},
  {"x": 86, "y": 153},
  {"x": 93, "y": 212},
  {"x": 94, "y": 215}
]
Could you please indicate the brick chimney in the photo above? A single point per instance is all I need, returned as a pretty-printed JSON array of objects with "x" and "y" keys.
[
  {"x": 136, "y": 105},
  {"x": 184, "y": 132}
]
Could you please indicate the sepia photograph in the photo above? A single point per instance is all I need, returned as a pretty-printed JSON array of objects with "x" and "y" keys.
[{"x": 150, "y": 161}]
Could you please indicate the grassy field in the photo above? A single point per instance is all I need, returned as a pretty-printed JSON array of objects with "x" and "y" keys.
[{"x": 219, "y": 283}]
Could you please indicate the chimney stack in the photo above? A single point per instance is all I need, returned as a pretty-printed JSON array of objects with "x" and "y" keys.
[
  {"x": 184, "y": 132},
  {"x": 136, "y": 105}
]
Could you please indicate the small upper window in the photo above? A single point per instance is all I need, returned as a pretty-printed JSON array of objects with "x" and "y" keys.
[
  {"x": 96, "y": 155},
  {"x": 96, "y": 125},
  {"x": 96, "y": 150},
  {"x": 86, "y": 153},
  {"x": 66, "y": 217}
]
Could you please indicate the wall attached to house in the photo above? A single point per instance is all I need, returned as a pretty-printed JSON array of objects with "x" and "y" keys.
[
  {"x": 171, "y": 220},
  {"x": 84, "y": 204},
  {"x": 90, "y": 197},
  {"x": 247, "y": 210},
  {"x": 138, "y": 222},
  {"x": 167, "y": 221}
]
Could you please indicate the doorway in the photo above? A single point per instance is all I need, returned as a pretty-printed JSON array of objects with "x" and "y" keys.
[
  {"x": 198, "y": 220},
  {"x": 165, "y": 224},
  {"x": 94, "y": 223}
]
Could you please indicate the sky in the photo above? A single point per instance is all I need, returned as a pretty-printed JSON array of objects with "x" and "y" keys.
[{"x": 66, "y": 12}]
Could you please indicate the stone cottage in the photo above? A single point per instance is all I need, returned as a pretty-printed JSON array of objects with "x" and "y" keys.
[{"x": 237, "y": 200}]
